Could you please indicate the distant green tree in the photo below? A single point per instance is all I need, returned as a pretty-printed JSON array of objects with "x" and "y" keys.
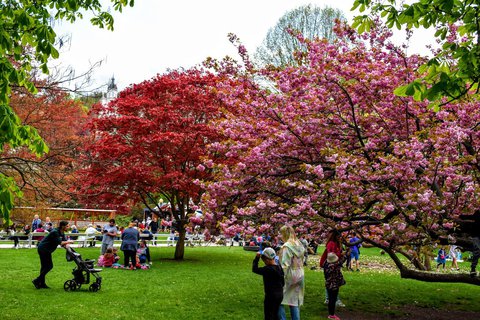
[
  {"x": 455, "y": 70},
  {"x": 91, "y": 99},
  {"x": 279, "y": 45},
  {"x": 27, "y": 40}
]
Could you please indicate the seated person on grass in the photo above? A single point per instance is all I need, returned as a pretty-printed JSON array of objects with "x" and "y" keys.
[
  {"x": 143, "y": 253},
  {"x": 107, "y": 259}
]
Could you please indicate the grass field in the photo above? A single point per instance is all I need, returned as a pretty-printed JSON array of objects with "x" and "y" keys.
[{"x": 212, "y": 283}]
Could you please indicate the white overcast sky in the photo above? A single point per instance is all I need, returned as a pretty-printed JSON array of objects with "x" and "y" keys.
[{"x": 156, "y": 35}]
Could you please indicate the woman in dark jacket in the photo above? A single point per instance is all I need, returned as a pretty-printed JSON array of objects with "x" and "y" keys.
[{"x": 129, "y": 245}]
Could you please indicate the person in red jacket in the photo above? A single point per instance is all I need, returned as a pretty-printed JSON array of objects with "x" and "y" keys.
[{"x": 334, "y": 245}]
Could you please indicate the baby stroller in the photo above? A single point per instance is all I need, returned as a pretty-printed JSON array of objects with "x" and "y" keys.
[{"x": 81, "y": 273}]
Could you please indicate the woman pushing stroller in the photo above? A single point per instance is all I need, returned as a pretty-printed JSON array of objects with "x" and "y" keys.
[{"x": 45, "y": 249}]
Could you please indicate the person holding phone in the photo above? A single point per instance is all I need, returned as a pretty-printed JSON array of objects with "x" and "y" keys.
[
  {"x": 109, "y": 233},
  {"x": 273, "y": 281}
]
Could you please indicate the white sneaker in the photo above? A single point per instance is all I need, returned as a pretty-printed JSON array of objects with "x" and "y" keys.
[{"x": 340, "y": 303}]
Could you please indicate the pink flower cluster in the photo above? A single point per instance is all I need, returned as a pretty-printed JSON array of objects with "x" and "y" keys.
[{"x": 327, "y": 143}]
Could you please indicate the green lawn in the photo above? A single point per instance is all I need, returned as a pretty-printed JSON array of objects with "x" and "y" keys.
[{"x": 212, "y": 283}]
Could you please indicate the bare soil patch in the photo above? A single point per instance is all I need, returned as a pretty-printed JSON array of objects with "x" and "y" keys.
[
  {"x": 410, "y": 312},
  {"x": 373, "y": 264}
]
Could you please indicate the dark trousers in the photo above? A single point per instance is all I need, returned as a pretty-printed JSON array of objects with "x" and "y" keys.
[
  {"x": 332, "y": 300},
  {"x": 147, "y": 251},
  {"x": 271, "y": 304},
  {"x": 46, "y": 264},
  {"x": 475, "y": 253},
  {"x": 15, "y": 241},
  {"x": 130, "y": 255}
]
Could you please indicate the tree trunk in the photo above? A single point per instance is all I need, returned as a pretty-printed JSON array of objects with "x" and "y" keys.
[
  {"x": 180, "y": 248},
  {"x": 439, "y": 277},
  {"x": 408, "y": 273},
  {"x": 428, "y": 264}
]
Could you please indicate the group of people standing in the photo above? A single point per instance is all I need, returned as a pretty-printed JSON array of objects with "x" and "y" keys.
[
  {"x": 283, "y": 274},
  {"x": 133, "y": 252}
]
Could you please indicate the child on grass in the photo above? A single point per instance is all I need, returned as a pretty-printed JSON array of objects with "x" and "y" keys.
[
  {"x": 143, "y": 253},
  {"x": 108, "y": 258},
  {"x": 333, "y": 281},
  {"x": 116, "y": 257},
  {"x": 273, "y": 281},
  {"x": 441, "y": 258}
]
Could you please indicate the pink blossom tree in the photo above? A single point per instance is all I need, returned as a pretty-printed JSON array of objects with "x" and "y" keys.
[{"x": 327, "y": 144}]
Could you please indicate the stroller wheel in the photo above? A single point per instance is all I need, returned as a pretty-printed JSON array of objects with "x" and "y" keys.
[
  {"x": 94, "y": 287},
  {"x": 70, "y": 285}
]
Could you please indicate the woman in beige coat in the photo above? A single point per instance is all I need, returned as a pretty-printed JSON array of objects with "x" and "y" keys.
[{"x": 291, "y": 260}]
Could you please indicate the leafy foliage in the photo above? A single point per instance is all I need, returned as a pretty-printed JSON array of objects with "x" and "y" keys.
[
  {"x": 27, "y": 40},
  {"x": 280, "y": 44},
  {"x": 455, "y": 69},
  {"x": 328, "y": 145},
  {"x": 59, "y": 120},
  {"x": 150, "y": 141}
]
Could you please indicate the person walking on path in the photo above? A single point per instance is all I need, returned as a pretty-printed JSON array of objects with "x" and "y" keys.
[
  {"x": 441, "y": 258},
  {"x": 354, "y": 252},
  {"x": 273, "y": 281},
  {"x": 453, "y": 254},
  {"x": 154, "y": 229},
  {"x": 45, "y": 249},
  {"x": 109, "y": 233},
  {"x": 291, "y": 260},
  {"x": 129, "y": 245},
  {"x": 333, "y": 280}
]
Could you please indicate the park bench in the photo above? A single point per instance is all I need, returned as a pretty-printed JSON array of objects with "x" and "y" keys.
[
  {"x": 194, "y": 240},
  {"x": 169, "y": 240},
  {"x": 23, "y": 239},
  {"x": 29, "y": 240},
  {"x": 82, "y": 239}
]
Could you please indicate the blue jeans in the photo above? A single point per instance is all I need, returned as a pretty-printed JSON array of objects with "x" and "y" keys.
[{"x": 294, "y": 313}]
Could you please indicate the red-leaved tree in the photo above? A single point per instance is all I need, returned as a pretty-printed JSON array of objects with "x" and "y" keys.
[
  {"x": 327, "y": 144},
  {"x": 148, "y": 143},
  {"x": 59, "y": 119}
]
